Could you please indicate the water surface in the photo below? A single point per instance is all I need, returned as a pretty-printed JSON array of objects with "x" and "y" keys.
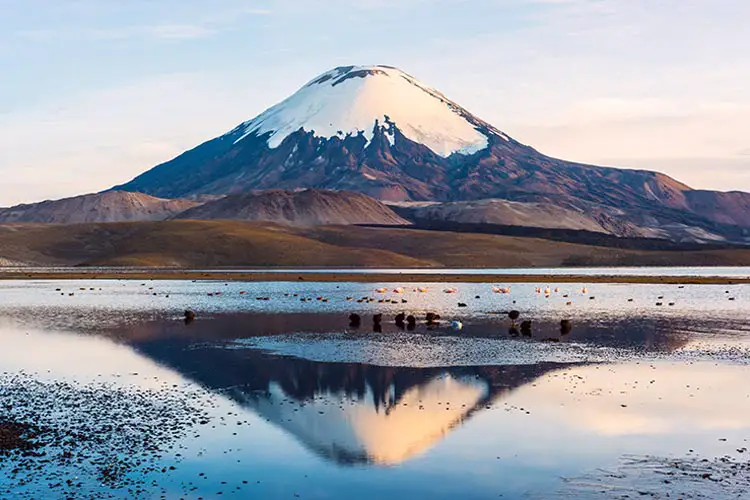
[{"x": 281, "y": 398}]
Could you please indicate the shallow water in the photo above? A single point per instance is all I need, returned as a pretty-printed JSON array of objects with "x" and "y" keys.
[{"x": 283, "y": 399}]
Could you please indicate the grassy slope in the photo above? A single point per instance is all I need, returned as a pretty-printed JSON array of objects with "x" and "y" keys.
[{"x": 235, "y": 243}]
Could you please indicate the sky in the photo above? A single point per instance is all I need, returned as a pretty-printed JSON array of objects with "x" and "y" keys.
[{"x": 95, "y": 92}]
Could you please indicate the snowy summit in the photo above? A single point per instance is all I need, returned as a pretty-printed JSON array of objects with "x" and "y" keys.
[{"x": 354, "y": 100}]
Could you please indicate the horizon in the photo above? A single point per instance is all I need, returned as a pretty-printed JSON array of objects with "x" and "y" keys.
[{"x": 609, "y": 82}]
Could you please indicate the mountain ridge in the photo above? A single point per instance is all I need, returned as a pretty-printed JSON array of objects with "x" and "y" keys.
[
  {"x": 110, "y": 206},
  {"x": 303, "y": 208},
  {"x": 353, "y": 128}
]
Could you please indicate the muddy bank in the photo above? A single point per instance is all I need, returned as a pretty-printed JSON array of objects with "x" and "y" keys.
[
  {"x": 330, "y": 277},
  {"x": 67, "y": 440}
]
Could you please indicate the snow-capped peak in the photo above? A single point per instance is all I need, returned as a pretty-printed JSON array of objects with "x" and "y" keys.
[{"x": 353, "y": 100}]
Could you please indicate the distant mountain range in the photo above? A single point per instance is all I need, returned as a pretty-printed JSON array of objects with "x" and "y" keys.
[
  {"x": 379, "y": 131},
  {"x": 112, "y": 206}
]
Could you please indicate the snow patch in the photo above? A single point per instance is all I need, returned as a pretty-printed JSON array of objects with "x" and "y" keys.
[{"x": 354, "y": 100}]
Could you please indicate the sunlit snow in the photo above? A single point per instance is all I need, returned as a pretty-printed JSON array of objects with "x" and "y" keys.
[{"x": 338, "y": 101}]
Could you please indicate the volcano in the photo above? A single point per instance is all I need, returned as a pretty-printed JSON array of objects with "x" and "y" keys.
[{"x": 379, "y": 131}]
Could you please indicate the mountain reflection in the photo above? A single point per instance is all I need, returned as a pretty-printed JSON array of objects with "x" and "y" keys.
[{"x": 345, "y": 412}]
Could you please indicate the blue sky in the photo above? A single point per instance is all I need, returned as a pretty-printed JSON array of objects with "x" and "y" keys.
[{"x": 94, "y": 92}]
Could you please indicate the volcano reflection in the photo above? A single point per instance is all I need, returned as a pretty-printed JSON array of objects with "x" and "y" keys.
[{"x": 348, "y": 413}]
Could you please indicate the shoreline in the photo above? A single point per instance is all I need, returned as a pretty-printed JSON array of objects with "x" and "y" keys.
[{"x": 328, "y": 277}]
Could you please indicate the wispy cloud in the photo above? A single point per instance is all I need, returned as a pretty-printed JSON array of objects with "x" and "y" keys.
[
  {"x": 162, "y": 31},
  {"x": 178, "y": 31}
]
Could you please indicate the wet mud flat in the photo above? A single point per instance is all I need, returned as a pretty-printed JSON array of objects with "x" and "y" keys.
[
  {"x": 95, "y": 440},
  {"x": 689, "y": 477}
]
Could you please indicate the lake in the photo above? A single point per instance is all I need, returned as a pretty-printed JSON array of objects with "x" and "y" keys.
[{"x": 270, "y": 392}]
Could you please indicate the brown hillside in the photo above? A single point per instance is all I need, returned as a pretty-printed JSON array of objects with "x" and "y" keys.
[
  {"x": 309, "y": 207},
  {"x": 112, "y": 206},
  {"x": 205, "y": 244}
]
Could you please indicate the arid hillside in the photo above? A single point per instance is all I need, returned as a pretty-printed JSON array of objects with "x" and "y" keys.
[
  {"x": 112, "y": 206},
  {"x": 309, "y": 207},
  {"x": 198, "y": 244}
]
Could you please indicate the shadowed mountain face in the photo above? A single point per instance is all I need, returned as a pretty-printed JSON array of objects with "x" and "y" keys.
[{"x": 379, "y": 131}]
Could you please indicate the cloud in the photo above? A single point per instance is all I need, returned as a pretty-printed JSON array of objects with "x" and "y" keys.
[
  {"x": 163, "y": 31},
  {"x": 178, "y": 31}
]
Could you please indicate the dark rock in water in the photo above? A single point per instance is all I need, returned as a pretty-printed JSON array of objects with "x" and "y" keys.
[
  {"x": 355, "y": 320},
  {"x": 566, "y": 326},
  {"x": 526, "y": 328},
  {"x": 400, "y": 317},
  {"x": 189, "y": 316},
  {"x": 411, "y": 323},
  {"x": 16, "y": 437},
  {"x": 461, "y": 304},
  {"x": 432, "y": 318}
]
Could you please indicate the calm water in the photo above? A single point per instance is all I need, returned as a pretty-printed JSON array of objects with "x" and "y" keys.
[
  {"x": 281, "y": 398},
  {"x": 705, "y": 272}
]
